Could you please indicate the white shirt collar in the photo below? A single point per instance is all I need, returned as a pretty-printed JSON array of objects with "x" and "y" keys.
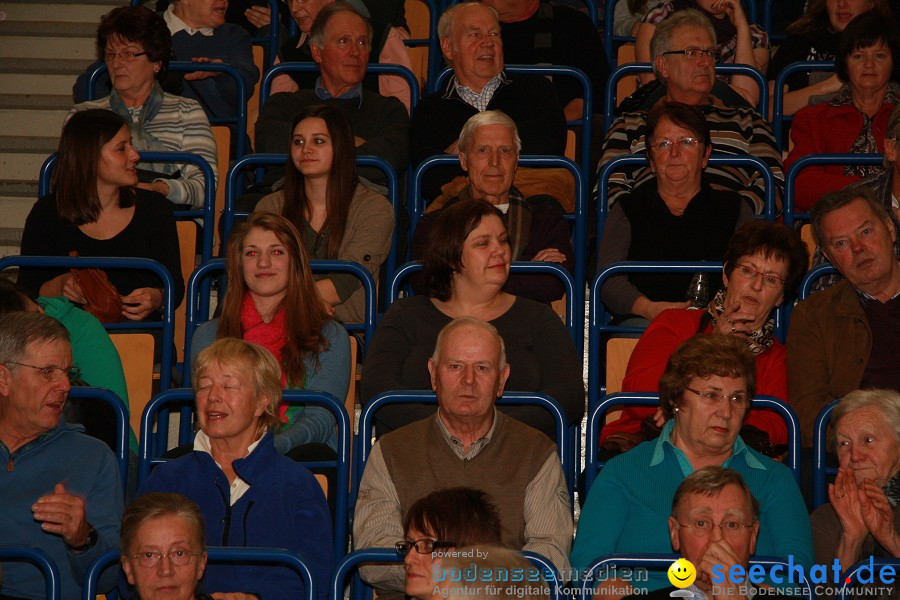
[
  {"x": 238, "y": 487},
  {"x": 175, "y": 24}
]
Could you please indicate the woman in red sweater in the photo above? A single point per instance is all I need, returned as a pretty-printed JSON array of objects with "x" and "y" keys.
[{"x": 763, "y": 263}]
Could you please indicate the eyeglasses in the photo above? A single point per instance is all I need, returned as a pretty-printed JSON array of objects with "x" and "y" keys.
[
  {"x": 704, "y": 526},
  {"x": 769, "y": 279},
  {"x": 712, "y": 398},
  {"x": 124, "y": 55},
  {"x": 713, "y": 55},
  {"x": 179, "y": 558},
  {"x": 687, "y": 143},
  {"x": 53, "y": 373},
  {"x": 423, "y": 546}
]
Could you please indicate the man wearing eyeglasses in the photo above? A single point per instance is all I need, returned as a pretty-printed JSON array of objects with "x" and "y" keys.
[
  {"x": 714, "y": 523},
  {"x": 683, "y": 54},
  {"x": 466, "y": 443},
  {"x": 60, "y": 489}
]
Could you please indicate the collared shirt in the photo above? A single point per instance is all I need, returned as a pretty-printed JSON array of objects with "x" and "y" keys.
[
  {"x": 238, "y": 487},
  {"x": 478, "y": 101},
  {"x": 458, "y": 447},
  {"x": 175, "y": 24},
  {"x": 665, "y": 437},
  {"x": 355, "y": 92}
]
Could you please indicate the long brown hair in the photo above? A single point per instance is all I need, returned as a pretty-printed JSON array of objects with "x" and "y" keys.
[
  {"x": 78, "y": 165},
  {"x": 342, "y": 177},
  {"x": 816, "y": 16},
  {"x": 304, "y": 313}
]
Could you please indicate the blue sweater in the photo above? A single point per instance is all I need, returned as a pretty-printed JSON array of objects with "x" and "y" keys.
[
  {"x": 87, "y": 469},
  {"x": 284, "y": 508},
  {"x": 329, "y": 371},
  {"x": 628, "y": 506}
]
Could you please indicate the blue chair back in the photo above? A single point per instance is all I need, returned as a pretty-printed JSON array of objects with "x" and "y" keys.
[
  {"x": 122, "y": 424},
  {"x": 216, "y": 554},
  {"x": 597, "y": 415},
  {"x": 272, "y": 42},
  {"x": 721, "y": 69},
  {"x": 661, "y": 562},
  {"x": 820, "y": 453},
  {"x": 199, "y": 300},
  {"x": 39, "y": 559},
  {"x": 806, "y": 288},
  {"x": 790, "y": 177},
  {"x": 167, "y": 325},
  {"x": 207, "y": 213},
  {"x": 779, "y": 119},
  {"x": 311, "y": 67},
  {"x": 239, "y": 121},
  {"x": 565, "y": 440},
  {"x": 153, "y": 446}
]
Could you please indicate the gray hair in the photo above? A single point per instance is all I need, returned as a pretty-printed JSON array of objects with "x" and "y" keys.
[
  {"x": 833, "y": 201},
  {"x": 662, "y": 37},
  {"x": 710, "y": 481},
  {"x": 18, "y": 329},
  {"x": 488, "y": 117},
  {"x": 317, "y": 32},
  {"x": 447, "y": 20},
  {"x": 886, "y": 401},
  {"x": 473, "y": 322}
]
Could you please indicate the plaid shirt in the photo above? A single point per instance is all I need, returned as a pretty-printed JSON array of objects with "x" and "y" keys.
[{"x": 479, "y": 101}]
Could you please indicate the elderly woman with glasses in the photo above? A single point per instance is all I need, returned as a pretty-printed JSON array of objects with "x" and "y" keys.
[
  {"x": 862, "y": 517},
  {"x": 705, "y": 392},
  {"x": 763, "y": 264},
  {"x": 675, "y": 216}
]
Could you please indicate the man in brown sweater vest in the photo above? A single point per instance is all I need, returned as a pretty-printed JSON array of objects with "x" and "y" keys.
[{"x": 466, "y": 443}]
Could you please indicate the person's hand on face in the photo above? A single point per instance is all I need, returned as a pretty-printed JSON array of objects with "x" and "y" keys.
[
  {"x": 721, "y": 553},
  {"x": 64, "y": 514},
  {"x": 734, "y": 12},
  {"x": 735, "y": 321},
  {"x": 844, "y": 497}
]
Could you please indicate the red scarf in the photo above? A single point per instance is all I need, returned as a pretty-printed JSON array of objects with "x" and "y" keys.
[{"x": 270, "y": 336}]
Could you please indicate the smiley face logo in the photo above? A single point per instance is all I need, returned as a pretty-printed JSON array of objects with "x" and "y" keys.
[{"x": 682, "y": 573}]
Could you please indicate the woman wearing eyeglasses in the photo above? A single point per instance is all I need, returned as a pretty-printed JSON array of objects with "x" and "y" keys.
[
  {"x": 163, "y": 548},
  {"x": 737, "y": 40},
  {"x": 704, "y": 392},
  {"x": 249, "y": 493},
  {"x": 675, "y": 216},
  {"x": 763, "y": 264},
  {"x": 136, "y": 46},
  {"x": 438, "y": 523}
]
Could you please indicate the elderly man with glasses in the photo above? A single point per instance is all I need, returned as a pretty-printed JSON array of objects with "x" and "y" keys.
[
  {"x": 683, "y": 53},
  {"x": 60, "y": 491}
]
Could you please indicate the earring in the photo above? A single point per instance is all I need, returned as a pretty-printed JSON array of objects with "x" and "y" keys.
[{"x": 676, "y": 409}]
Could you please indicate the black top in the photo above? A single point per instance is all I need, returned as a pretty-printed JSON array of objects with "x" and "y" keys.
[{"x": 150, "y": 234}]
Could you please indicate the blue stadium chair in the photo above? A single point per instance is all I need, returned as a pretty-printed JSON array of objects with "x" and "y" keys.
[
  {"x": 767, "y": 23},
  {"x": 778, "y": 117},
  {"x": 628, "y": 160},
  {"x": 216, "y": 554},
  {"x": 579, "y": 235},
  {"x": 311, "y": 67},
  {"x": 805, "y": 289},
  {"x": 820, "y": 452},
  {"x": 272, "y": 41},
  {"x": 41, "y": 561},
  {"x": 573, "y": 323},
  {"x": 199, "y": 299},
  {"x": 122, "y": 424},
  {"x": 790, "y": 177},
  {"x": 565, "y": 439},
  {"x": 153, "y": 447},
  {"x": 597, "y": 416},
  {"x": 239, "y": 121},
  {"x": 661, "y": 562},
  {"x": 854, "y": 571},
  {"x": 610, "y": 40},
  {"x": 234, "y": 187},
  {"x": 721, "y": 69},
  {"x": 167, "y": 325},
  {"x": 207, "y": 213}
]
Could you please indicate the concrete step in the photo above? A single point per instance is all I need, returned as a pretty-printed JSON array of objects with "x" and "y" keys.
[
  {"x": 28, "y": 144},
  {"x": 15, "y": 211},
  {"x": 80, "y": 12},
  {"x": 43, "y": 123},
  {"x": 27, "y": 46},
  {"x": 24, "y": 166},
  {"x": 37, "y": 101},
  {"x": 54, "y": 29},
  {"x": 60, "y": 66},
  {"x": 14, "y": 189},
  {"x": 36, "y": 83}
]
